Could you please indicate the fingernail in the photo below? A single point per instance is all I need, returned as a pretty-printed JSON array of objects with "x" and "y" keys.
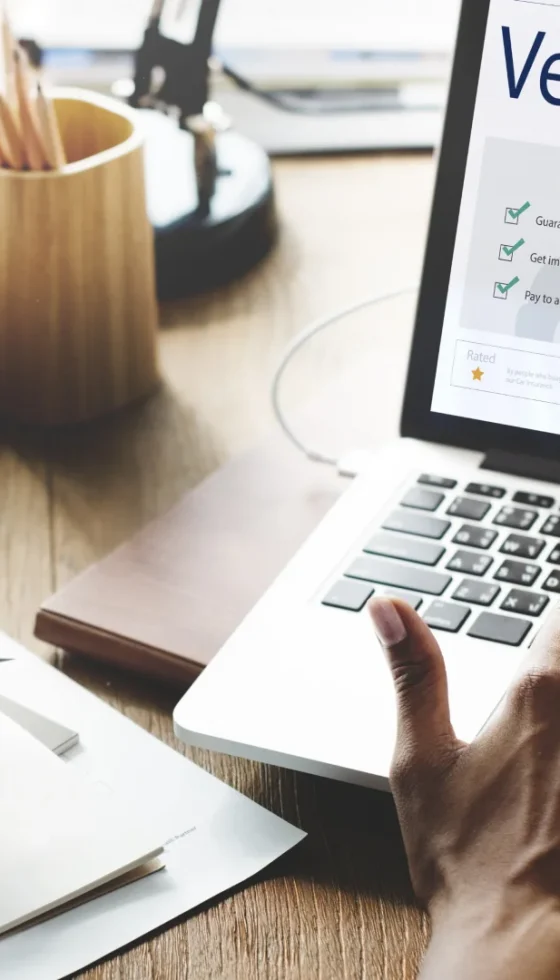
[{"x": 388, "y": 624}]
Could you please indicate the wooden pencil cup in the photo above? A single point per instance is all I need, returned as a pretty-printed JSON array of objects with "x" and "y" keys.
[{"x": 78, "y": 314}]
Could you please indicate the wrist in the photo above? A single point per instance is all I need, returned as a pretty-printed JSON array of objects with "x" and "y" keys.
[{"x": 482, "y": 938}]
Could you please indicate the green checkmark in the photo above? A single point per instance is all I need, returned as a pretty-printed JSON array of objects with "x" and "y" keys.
[
  {"x": 517, "y": 214},
  {"x": 506, "y": 288},
  {"x": 510, "y": 249}
]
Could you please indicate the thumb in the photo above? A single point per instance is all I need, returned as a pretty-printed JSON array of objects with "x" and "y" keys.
[{"x": 420, "y": 679}]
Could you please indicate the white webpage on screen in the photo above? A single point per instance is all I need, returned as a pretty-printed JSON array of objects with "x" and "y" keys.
[{"x": 499, "y": 359}]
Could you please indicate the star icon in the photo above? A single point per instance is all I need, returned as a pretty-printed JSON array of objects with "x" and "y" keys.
[{"x": 477, "y": 375}]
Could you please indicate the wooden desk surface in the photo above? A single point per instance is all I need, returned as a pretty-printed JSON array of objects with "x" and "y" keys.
[{"x": 340, "y": 907}]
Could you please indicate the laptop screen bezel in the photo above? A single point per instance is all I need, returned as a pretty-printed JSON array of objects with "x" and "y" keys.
[{"x": 417, "y": 420}]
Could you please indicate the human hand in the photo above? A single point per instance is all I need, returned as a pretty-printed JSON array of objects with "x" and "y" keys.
[{"x": 480, "y": 822}]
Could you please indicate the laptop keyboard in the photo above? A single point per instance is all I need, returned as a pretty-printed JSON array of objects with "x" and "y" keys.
[{"x": 478, "y": 559}]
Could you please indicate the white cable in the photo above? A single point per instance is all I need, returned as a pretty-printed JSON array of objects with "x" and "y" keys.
[{"x": 300, "y": 341}]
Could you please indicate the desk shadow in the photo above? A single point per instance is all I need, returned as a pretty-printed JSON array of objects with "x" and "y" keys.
[
  {"x": 109, "y": 478},
  {"x": 116, "y": 438},
  {"x": 354, "y": 842},
  {"x": 219, "y": 307},
  {"x": 143, "y": 695}
]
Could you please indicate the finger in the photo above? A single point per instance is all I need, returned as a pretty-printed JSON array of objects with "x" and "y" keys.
[
  {"x": 419, "y": 676},
  {"x": 545, "y": 651},
  {"x": 535, "y": 688}
]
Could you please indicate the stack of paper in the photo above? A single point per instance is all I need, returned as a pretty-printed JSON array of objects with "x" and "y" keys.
[
  {"x": 114, "y": 800},
  {"x": 62, "y": 837}
]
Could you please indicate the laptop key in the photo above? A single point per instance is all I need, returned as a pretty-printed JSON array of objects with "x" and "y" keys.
[
  {"x": 470, "y": 563},
  {"x": 552, "y": 527},
  {"x": 418, "y": 524},
  {"x": 518, "y": 573},
  {"x": 522, "y": 547},
  {"x": 446, "y": 616},
  {"x": 437, "y": 481},
  {"x": 509, "y": 630},
  {"x": 413, "y": 600},
  {"x": 473, "y": 510},
  {"x": 554, "y": 558},
  {"x": 534, "y": 500},
  {"x": 407, "y": 577},
  {"x": 525, "y": 603},
  {"x": 552, "y": 583},
  {"x": 484, "y": 490},
  {"x": 349, "y": 595},
  {"x": 407, "y": 549},
  {"x": 479, "y": 593},
  {"x": 420, "y": 499},
  {"x": 519, "y": 520},
  {"x": 475, "y": 537}
]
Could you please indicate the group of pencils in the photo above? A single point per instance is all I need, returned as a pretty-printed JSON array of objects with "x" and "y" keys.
[{"x": 29, "y": 132}]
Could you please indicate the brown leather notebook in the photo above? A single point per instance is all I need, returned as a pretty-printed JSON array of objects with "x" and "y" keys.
[{"x": 165, "y": 602}]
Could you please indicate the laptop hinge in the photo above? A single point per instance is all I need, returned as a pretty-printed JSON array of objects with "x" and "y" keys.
[{"x": 530, "y": 467}]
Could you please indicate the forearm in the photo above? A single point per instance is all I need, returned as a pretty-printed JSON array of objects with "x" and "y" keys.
[{"x": 471, "y": 944}]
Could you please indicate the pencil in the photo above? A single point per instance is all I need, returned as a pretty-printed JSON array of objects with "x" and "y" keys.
[
  {"x": 55, "y": 154},
  {"x": 3, "y": 148},
  {"x": 8, "y": 44},
  {"x": 35, "y": 151},
  {"x": 12, "y": 144}
]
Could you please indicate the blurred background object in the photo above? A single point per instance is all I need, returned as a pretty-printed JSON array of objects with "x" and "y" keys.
[
  {"x": 295, "y": 77},
  {"x": 210, "y": 191}
]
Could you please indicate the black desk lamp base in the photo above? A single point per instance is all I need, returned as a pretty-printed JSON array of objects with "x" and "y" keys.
[{"x": 198, "y": 249}]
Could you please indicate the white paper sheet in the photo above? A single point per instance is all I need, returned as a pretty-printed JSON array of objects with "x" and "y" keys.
[
  {"x": 215, "y": 838},
  {"x": 61, "y": 836},
  {"x": 53, "y": 736}
]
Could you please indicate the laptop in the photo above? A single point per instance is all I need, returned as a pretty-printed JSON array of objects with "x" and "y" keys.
[{"x": 461, "y": 515}]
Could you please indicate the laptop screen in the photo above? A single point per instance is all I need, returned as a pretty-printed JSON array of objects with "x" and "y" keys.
[{"x": 499, "y": 359}]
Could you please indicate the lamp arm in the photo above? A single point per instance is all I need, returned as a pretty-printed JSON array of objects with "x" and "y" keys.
[{"x": 184, "y": 67}]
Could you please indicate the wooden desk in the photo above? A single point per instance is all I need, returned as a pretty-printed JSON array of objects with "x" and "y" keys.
[{"x": 340, "y": 907}]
